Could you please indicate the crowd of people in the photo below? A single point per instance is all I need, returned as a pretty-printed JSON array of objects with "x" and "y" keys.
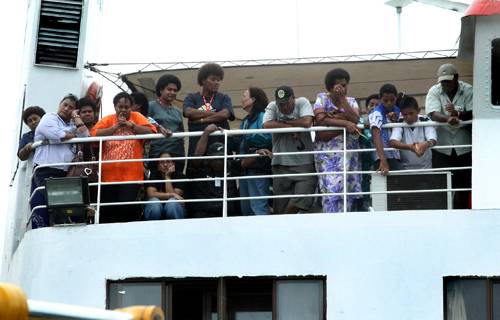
[{"x": 166, "y": 182}]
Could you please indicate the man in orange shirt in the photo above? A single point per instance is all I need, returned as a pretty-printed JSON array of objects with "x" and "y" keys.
[{"x": 123, "y": 123}]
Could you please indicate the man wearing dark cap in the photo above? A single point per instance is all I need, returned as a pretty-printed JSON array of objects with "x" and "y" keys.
[
  {"x": 209, "y": 168},
  {"x": 288, "y": 112},
  {"x": 450, "y": 100}
]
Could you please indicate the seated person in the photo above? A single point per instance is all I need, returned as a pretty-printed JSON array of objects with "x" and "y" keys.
[
  {"x": 415, "y": 142},
  {"x": 170, "y": 191},
  {"x": 213, "y": 189},
  {"x": 387, "y": 111}
]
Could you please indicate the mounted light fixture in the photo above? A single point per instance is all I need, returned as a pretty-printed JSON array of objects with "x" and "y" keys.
[{"x": 67, "y": 199}]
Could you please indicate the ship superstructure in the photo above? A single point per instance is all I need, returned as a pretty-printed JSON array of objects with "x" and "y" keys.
[{"x": 408, "y": 264}]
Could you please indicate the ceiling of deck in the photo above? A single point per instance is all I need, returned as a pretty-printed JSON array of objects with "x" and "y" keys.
[{"x": 413, "y": 76}]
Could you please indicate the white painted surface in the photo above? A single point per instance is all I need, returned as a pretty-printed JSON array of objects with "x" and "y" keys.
[
  {"x": 485, "y": 194},
  {"x": 378, "y": 265}
]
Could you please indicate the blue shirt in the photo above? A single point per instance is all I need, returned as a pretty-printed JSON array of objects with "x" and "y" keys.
[
  {"x": 378, "y": 117},
  {"x": 54, "y": 128},
  {"x": 27, "y": 137},
  {"x": 220, "y": 102},
  {"x": 256, "y": 140}
]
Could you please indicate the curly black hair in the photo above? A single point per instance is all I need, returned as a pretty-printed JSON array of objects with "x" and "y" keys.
[
  {"x": 164, "y": 81},
  {"x": 210, "y": 69},
  {"x": 32, "y": 110},
  {"x": 336, "y": 74}
]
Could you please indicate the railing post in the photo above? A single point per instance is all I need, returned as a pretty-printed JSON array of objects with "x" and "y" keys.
[
  {"x": 99, "y": 175},
  {"x": 224, "y": 189},
  {"x": 344, "y": 160}
]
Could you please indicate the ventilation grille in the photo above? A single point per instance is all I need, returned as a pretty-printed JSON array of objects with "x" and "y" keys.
[
  {"x": 417, "y": 201},
  {"x": 59, "y": 32}
]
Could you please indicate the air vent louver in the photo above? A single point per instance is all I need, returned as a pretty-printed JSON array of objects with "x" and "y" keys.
[{"x": 59, "y": 32}]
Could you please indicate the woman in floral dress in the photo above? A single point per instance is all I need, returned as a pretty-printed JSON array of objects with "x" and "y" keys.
[{"x": 335, "y": 109}]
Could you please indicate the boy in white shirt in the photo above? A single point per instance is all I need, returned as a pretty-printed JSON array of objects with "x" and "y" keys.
[{"x": 414, "y": 142}]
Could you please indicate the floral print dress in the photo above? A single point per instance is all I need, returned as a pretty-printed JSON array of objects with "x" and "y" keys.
[{"x": 334, "y": 162}]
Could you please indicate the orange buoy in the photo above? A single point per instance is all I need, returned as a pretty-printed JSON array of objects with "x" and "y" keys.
[
  {"x": 144, "y": 312},
  {"x": 13, "y": 303}
]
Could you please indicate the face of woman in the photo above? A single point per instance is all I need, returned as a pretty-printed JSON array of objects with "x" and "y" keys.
[
  {"x": 247, "y": 101},
  {"x": 166, "y": 165},
  {"x": 123, "y": 108},
  {"x": 87, "y": 114},
  {"x": 66, "y": 107},
  {"x": 212, "y": 83},
  {"x": 169, "y": 93},
  {"x": 32, "y": 121}
]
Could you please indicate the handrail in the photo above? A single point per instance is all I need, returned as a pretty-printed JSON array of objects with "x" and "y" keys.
[
  {"x": 155, "y": 136},
  {"x": 226, "y": 134}
]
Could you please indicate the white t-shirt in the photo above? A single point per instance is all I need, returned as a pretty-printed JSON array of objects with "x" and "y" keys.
[{"x": 409, "y": 159}]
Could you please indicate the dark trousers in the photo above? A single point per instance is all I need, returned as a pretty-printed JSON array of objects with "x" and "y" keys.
[
  {"x": 460, "y": 178},
  {"x": 40, "y": 217},
  {"x": 121, "y": 213}
]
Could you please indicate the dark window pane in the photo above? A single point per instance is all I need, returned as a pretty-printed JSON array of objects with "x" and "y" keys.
[
  {"x": 194, "y": 300},
  {"x": 495, "y": 72},
  {"x": 249, "y": 299},
  {"x": 496, "y": 301},
  {"x": 466, "y": 299},
  {"x": 131, "y": 294}
]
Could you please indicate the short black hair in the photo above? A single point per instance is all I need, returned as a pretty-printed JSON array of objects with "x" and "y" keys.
[
  {"x": 164, "y": 81},
  {"x": 388, "y": 88},
  {"x": 336, "y": 74},
  {"x": 141, "y": 99},
  {"x": 372, "y": 96},
  {"x": 408, "y": 102},
  {"x": 210, "y": 69},
  {"x": 32, "y": 110},
  {"x": 86, "y": 102},
  {"x": 123, "y": 95},
  {"x": 70, "y": 97},
  {"x": 260, "y": 104}
]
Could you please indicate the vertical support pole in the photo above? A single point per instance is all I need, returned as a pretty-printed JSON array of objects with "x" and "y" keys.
[
  {"x": 398, "y": 11},
  {"x": 344, "y": 160},
  {"x": 224, "y": 202},
  {"x": 221, "y": 299},
  {"x": 99, "y": 175}
]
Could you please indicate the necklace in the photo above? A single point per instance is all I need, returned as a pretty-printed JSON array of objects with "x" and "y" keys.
[{"x": 207, "y": 106}]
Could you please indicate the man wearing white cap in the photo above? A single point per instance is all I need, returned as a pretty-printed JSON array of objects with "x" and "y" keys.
[{"x": 451, "y": 101}]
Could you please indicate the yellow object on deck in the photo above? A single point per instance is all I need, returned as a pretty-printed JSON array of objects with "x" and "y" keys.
[
  {"x": 13, "y": 303},
  {"x": 144, "y": 312}
]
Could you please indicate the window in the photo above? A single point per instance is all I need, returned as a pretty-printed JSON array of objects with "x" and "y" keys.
[
  {"x": 229, "y": 298},
  {"x": 495, "y": 72},
  {"x": 472, "y": 298}
]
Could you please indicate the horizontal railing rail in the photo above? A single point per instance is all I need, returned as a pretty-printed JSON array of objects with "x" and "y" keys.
[{"x": 226, "y": 134}]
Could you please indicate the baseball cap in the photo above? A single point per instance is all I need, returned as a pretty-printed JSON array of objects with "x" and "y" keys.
[
  {"x": 446, "y": 71},
  {"x": 283, "y": 94},
  {"x": 216, "y": 149}
]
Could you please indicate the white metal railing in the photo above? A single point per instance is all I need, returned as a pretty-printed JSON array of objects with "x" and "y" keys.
[{"x": 225, "y": 178}]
